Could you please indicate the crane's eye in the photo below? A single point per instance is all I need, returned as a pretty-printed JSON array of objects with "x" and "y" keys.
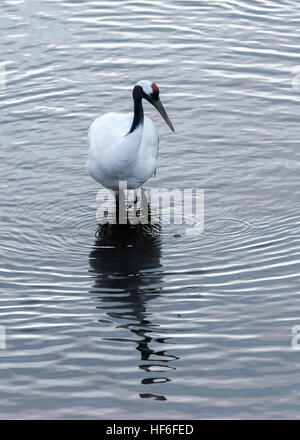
[{"x": 154, "y": 96}]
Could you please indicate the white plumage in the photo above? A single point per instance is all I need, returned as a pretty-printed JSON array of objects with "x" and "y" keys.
[
  {"x": 115, "y": 157},
  {"x": 124, "y": 147}
]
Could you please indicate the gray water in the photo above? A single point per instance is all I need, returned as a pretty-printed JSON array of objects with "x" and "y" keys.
[{"x": 162, "y": 325}]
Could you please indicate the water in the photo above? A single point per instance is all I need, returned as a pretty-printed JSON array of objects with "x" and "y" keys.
[{"x": 164, "y": 325}]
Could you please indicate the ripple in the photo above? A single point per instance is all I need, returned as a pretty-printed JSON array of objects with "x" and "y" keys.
[
  {"x": 228, "y": 226},
  {"x": 47, "y": 228}
]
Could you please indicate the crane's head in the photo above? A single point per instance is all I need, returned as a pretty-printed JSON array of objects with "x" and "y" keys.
[{"x": 150, "y": 91}]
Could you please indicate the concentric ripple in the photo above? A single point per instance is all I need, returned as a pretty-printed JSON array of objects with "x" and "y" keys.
[{"x": 228, "y": 227}]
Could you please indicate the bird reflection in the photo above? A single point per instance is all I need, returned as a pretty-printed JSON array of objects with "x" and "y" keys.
[{"x": 125, "y": 260}]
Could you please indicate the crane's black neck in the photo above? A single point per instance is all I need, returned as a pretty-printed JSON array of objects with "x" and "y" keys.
[{"x": 138, "y": 117}]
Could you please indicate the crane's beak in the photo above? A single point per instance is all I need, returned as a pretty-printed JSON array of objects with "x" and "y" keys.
[{"x": 158, "y": 105}]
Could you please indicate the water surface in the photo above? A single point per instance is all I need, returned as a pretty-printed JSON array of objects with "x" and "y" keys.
[{"x": 161, "y": 325}]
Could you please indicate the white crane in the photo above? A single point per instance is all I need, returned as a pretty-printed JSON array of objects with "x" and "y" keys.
[{"x": 124, "y": 147}]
